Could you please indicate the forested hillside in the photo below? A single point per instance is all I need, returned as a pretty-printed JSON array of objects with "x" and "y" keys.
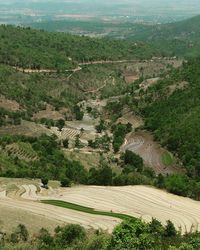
[
  {"x": 180, "y": 38},
  {"x": 172, "y": 111},
  {"x": 27, "y": 48}
]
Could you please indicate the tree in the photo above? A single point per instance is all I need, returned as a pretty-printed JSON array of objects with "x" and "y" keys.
[
  {"x": 160, "y": 182},
  {"x": 69, "y": 234},
  {"x": 101, "y": 126},
  {"x": 130, "y": 158},
  {"x": 60, "y": 124},
  {"x": 78, "y": 113},
  {"x": 21, "y": 233},
  {"x": 133, "y": 234},
  {"x": 65, "y": 182},
  {"x": 45, "y": 238},
  {"x": 170, "y": 229},
  {"x": 105, "y": 176},
  {"x": 45, "y": 181},
  {"x": 77, "y": 142},
  {"x": 156, "y": 227},
  {"x": 177, "y": 184},
  {"x": 66, "y": 143}
]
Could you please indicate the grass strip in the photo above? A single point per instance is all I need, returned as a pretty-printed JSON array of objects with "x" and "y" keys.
[
  {"x": 167, "y": 159},
  {"x": 88, "y": 210}
]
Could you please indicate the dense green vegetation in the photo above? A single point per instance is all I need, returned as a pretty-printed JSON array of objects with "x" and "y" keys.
[
  {"x": 130, "y": 234},
  {"x": 119, "y": 133},
  {"x": 27, "y": 48}
]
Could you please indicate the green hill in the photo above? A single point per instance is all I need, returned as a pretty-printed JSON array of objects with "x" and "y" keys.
[
  {"x": 180, "y": 38},
  {"x": 27, "y": 48}
]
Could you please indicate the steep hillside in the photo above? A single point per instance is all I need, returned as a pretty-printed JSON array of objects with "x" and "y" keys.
[{"x": 172, "y": 109}]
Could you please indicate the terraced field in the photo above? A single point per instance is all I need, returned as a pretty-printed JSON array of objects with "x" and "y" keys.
[
  {"x": 142, "y": 143},
  {"x": 21, "y": 150},
  {"x": 138, "y": 201},
  {"x": 69, "y": 133}
]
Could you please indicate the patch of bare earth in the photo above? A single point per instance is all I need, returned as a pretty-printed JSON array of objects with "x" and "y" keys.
[
  {"x": 177, "y": 86},
  {"x": 129, "y": 117},
  {"x": 11, "y": 216},
  {"x": 48, "y": 113},
  {"x": 9, "y": 104},
  {"x": 148, "y": 82}
]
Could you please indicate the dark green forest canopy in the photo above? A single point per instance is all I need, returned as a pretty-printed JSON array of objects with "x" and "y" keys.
[{"x": 28, "y": 48}]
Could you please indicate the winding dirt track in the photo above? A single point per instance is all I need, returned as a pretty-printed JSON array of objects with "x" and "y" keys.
[{"x": 138, "y": 201}]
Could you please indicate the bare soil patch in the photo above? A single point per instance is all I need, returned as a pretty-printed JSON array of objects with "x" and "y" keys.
[
  {"x": 129, "y": 117},
  {"x": 48, "y": 113},
  {"x": 9, "y": 104}
]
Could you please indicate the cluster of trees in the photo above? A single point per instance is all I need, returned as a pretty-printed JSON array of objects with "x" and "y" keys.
[
  {"x": 130, "y": 234},
  {"x": 179, "y": 38},
  {"x": 102, "y": 143},
  {"x": 119, "y": 132},
  {"x": 114, "y": 109},
  {"x": 179, "y": 184},
  {"x": 53, "y": 123}
]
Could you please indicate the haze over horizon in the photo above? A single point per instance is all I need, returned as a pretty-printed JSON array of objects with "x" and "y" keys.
[{"x": 20, "y": 11}]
